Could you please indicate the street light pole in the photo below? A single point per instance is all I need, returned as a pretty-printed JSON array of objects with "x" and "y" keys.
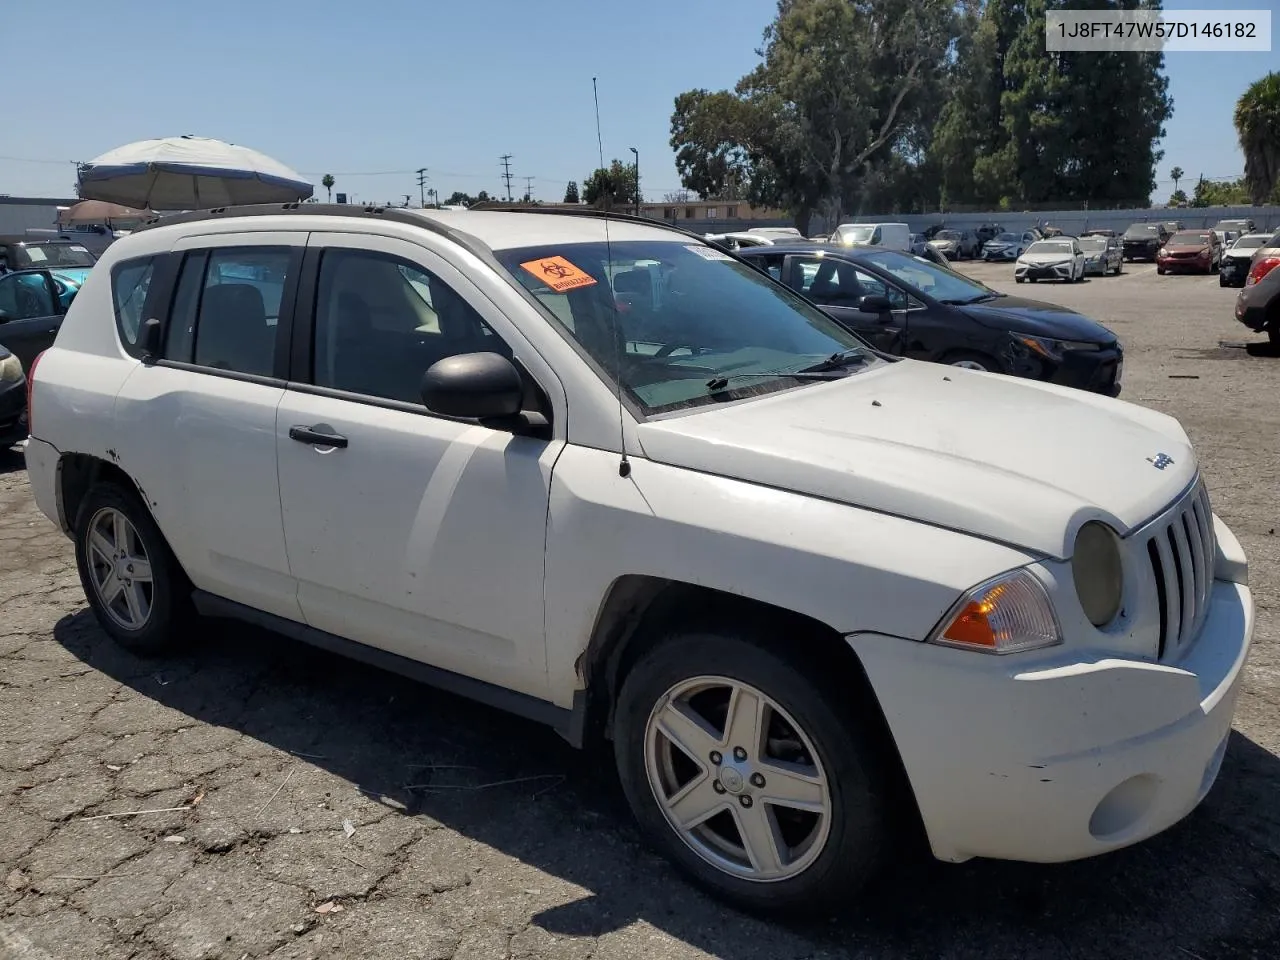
[{"x": 637, "y": 154}]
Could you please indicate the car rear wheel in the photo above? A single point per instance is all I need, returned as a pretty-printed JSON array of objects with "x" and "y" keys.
[
  {"x": 752, "y": 771},
  {"x": 131, "y": 579}
]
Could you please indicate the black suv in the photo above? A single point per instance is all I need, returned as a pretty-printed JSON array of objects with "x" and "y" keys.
[{"x": 1142, "y": 241}]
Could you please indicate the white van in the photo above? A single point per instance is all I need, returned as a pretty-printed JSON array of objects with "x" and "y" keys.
[{"x": 895, "y": 236}]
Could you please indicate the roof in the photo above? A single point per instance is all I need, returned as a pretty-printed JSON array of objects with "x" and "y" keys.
[{"x": 504, "y": 229}]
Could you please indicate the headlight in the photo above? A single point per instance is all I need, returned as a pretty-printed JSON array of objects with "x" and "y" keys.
[
  {"x": 1055, "y": 349},
  {"x": 10, "y": 369},
  {"x": 1098, "y": 573},
  {"x": 1006, "y": 614}
]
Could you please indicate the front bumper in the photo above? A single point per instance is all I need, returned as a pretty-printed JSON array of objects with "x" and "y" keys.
[
  {"x": 1058, "y": 271},
  {"x": 1234, "y": 271},
  {"x": 13, "y": 412},
  {"x": 988, "y": 254},
  {"x": 1048, "y": 758},
  {"x": 1185, "y": 265},
  {"x": 1141, "y": 251}
]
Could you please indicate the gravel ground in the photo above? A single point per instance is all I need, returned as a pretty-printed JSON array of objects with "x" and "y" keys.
[{"x": 447, "y": 830}]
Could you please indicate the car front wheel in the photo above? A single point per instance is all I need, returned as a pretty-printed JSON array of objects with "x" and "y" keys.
[
  {"x": 131, "y": 579},
  {"x": 751, "y": 771}
]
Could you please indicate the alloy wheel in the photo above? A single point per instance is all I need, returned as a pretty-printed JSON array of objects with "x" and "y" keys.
[
  {"x": 120, "y": 569},
  {"x": 737, "y": 779}
]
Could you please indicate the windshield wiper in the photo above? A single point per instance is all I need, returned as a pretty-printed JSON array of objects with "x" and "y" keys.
[
  {"x": 836, "y": 361},
  {"x": 957, "y": 302},
  {"x": 719, "y": 383}
]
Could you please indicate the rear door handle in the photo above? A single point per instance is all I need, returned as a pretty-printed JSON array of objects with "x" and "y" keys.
[{"x": 316, "y": 439}]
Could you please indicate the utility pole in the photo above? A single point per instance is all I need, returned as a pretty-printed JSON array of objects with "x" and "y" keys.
[
  {"x": 637, "y": 153},
  {"x": 528, "y": 188},
  {"x": 422, "y": 184},
  {"x": 506, "y": 173}
]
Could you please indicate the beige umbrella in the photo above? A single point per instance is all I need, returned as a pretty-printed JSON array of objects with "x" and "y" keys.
[{"x": 99, "y": 211}]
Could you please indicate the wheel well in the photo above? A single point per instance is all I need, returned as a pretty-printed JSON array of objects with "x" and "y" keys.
[
  {"x": 77, "y": 473},
  {"x": 639, "y": 609}
]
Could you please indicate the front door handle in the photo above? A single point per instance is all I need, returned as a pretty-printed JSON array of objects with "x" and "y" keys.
[{"x": 316, "y": 439}]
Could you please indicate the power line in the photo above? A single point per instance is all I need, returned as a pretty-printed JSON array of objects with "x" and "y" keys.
[
  {"x": 506, "y": 173},
  {"x": 422, "y": 185}
]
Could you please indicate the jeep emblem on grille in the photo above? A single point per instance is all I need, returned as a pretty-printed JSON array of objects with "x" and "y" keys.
[{"x": 1160, "y": 460}]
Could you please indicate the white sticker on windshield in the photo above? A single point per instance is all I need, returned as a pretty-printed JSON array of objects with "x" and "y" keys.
[
  {"x": 36, "y": 255},
  {"x": 708, "y": 252},
  {"x": 76, "y": 248}
]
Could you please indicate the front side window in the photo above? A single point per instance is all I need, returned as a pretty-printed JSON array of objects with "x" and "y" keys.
[
  {"x": 927, "y": 277},
  {"x": 227, "y": 306},
  {"x": 838, "y": 283},
  {"x": 25, "y": 296},
  {"x": 381, "y": 322},
  {"x": 679, "y": 324}
]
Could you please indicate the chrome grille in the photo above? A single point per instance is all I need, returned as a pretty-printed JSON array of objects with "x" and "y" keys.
[{"x": 1181, "y": 549}]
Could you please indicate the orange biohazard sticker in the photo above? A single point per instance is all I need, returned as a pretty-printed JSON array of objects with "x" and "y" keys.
[{"x": 559, "y": 274}]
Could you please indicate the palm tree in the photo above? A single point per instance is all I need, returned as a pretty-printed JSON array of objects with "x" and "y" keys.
[
  {"x": 327, "y": 182},
  {"x": 1257, "y": 120},
  {"x": 1175, "y": 175}
]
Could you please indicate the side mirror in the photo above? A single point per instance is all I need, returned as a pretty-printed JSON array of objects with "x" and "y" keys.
[
  {"x": 477, "y": 386},
  {"x": 874, "y": 303}
]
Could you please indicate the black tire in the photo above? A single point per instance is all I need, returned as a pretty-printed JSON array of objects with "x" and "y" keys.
[
  {"x": 1019, "y": 279},
  {"x": 172, "y": 613},
  {"x": 1160, "y": 271},
  {"x": 850, "y": 746},
  {"x": 988, "y": 363},
  {"x": 1222, "y": 281}
]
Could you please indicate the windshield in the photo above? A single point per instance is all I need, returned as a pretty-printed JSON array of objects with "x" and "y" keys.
[
  {"x": 928, "y": 277},
  {"x": 1008, "y": 238},
  {"x": 1061, "y": 247},
  {"x": 1249, "y": 243},
  {"x": 849, "y": 233},
  {"x": 52, "y": 255},
  {"x": 1091, "y": 244},
  {"x": 1142, "y": 230},
  {"x": 682, "y": 316},
  {"x": 947, "y": 235},
  {"x": 1190, "y": 236}
]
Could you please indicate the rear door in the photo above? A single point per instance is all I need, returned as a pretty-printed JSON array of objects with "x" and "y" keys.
[
  {"x": 197, "y": 426},
  {"x": 30, "y": 313}
]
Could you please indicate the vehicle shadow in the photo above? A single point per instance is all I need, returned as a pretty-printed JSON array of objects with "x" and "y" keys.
[
  {"x": 11, "y": 460},
  {"x": 1263, "y": 348},
  {"x": 1207, "y": 888}
]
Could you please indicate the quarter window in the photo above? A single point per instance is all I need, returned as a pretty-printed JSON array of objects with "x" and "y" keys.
[
  {"x": 381, "y": 322},
  {"x": 130, "y": 283},
  {"x": 227, "y": 307}
]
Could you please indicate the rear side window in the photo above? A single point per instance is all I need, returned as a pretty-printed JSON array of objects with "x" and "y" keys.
[
  {"x": 130, "y": 284},
  {"x": 226, "y": 308}
]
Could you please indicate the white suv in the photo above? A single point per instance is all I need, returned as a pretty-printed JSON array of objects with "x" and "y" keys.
[{"x": 605, "y": 475}]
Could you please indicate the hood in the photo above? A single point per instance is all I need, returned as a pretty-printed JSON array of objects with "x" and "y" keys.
[
  {"x": 1007, "y": 459},
  {"x": 1186, "y": 248},
  {"x": 1020, "y": 315},
  {"x": 1047, "y": 259}
]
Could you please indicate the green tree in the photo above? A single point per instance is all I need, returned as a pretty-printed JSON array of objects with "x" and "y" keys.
[
  {"x": 1177, "y": 198},
  {"x": 1176, "y": 175},
  {"x": 612, "y": 187},
  {"x": 458, "y": 198},
  {"x": 571, "y": 192},
  {"x": 1220, "y": 193},
  {"x": 327, "y": 182},
  {"x": 1257, "y": 120},
  {"x": 839, "y": 83}
]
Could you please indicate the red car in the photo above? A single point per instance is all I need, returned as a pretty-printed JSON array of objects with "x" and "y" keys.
[{"x": 1190, "y": 251}]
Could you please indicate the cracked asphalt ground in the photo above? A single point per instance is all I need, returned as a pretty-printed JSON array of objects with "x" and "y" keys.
[{"x": 478, "y": 835}]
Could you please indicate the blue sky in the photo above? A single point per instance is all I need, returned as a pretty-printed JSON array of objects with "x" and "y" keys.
[{"x": 371, "y": 91}]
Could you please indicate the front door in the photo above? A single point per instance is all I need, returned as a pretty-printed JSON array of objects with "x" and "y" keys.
[
  {"x": 30, "y": 313},
  {"x": 838, "y": 287},
  {"x": 421, "y": 535}
]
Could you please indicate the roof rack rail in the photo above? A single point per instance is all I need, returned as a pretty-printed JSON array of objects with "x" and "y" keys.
[{"x": 409, "y": 215}]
